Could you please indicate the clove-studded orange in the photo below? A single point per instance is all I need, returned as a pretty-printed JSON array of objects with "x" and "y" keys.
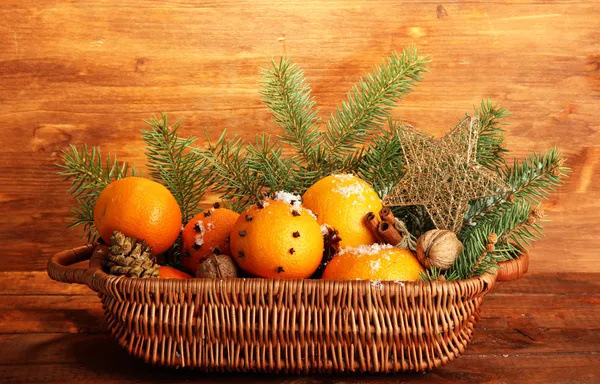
[
  {"x": 276, "y": 239},
  {"x": 205, "y": 234},
  {"x": 342, "y": 201}
]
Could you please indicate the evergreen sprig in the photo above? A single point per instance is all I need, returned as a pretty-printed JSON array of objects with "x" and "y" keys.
[
  {"x": 231, "y": 174},
  {"x": 490, "y": 150},
  {"x": 271, "y": 169},
  {"x": 317, "y": 154},
  {"x": 172, "y": 163},
  {"x": 508, "y": 216},
  {"x": 286, "y": 94},
  {"x": 537, "y": 176},
  {"x": 382, "y": 162},
  {"x": 531, "y": 179},
  {"x": 516, "y": 227},
  {"x": 371, "y": 100},
  {"x": 89, "y": 174}
]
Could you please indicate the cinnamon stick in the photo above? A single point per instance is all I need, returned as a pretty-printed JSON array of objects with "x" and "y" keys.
[
  {"x": 373, "y": 225},
  {"x": 389, "y": 233},
  {"x": 386, "y": 215}
]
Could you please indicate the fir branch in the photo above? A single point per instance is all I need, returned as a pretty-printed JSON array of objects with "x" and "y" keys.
[
  {"x": 532, "y": 180},
  {"x": 89, "y": 175},
  {"x": 514, "y": 227},
  {"x": 431, "y": 274},
  {"x": 382, "y": 164},
  {"x": 83, "y": 215},
  {"x": 231, "y": 175},
  {"x": 371, "y": 101},
  {"x": 522, "y": 234},
  {"x": 490, "y": 150},
  {"x": 173, "y": 164},
  {"x": 287, "y": 95},
  {"x": 271, "y": 169},
  {"x": 242, "y": 174},
  {"x": 510, "y": 216},
  {"x": 537, "y": 176}
]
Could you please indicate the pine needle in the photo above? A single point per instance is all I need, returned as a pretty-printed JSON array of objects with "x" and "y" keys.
[
  {"x": 490, "y": 150},
  {"x": 89, "y": 175},
  {"x": 370, "y": 102},
  {"x": 532, "y": 179},
  {"x": 286, "y": 94},
  {"x": 231, "y": 175},
  {"x": 382, "y": 163},
  {"x": 172, "y": 163},
  {"x": 512, "y": 229},
  {"x": 271, "y": 170}
]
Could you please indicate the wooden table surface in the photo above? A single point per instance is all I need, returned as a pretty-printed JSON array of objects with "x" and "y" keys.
[
  {"x": 544, "y": 328},
  {"x": 91, "y": 71}
]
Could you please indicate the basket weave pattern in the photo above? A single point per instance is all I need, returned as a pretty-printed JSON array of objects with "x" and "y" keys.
[{"x": 291, "y": 326}]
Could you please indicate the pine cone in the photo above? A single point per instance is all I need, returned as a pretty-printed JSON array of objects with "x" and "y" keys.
[{"x": 130, "y": 258}]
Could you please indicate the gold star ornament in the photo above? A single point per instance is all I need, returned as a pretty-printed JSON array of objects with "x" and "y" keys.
[{"x": 443, "y": 176}]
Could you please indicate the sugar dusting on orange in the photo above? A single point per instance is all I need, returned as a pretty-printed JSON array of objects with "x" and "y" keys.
[
  {"x": 373, "y": 262},
  {"x": 342, "y": 201}
]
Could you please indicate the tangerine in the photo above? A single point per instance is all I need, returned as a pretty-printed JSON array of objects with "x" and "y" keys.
[
  {"x": 166, "y": 272},
  {"x": 373, "y": 262},
  {"x": 276, "y": 239},
  {"x": 342, "y": 201},
  {"x": 139, "y": 208},
  {"x": 205, "y": 234}
]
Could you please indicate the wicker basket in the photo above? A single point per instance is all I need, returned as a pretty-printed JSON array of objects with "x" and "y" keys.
[{"x": 287, "y": 326}]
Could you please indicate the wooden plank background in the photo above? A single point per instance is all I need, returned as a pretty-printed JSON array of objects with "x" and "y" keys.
[{"x": 91, "y": 71}]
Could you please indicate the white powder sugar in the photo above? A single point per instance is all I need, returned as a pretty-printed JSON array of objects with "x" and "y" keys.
[
  {"x": 309, "y": 212},
  {"x": 375, "y": 265},
  {"x": 199, "y": 239},
  {"x": 355, "y": 190},
  {"x": 344, "y": 176},
  {"x": 294, "y": 200},
  {"x": 377, "y": 284},
  {"x": 288, "y": 197},
  {"x": 366, "y": 249}
]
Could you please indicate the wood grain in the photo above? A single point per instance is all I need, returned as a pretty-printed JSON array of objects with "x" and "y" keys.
[
  {"x": 580, "y": 369},
  {"x": 540, "y": 329},
  {"x": 75, "y": 72}
]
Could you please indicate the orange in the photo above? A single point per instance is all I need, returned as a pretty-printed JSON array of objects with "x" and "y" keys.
[
  {"x": 205, "y": 234},
  {"x": 140, "y": 208},
  {"x": 373, "y": 262},
  {"x": 165, "y": 272},
  {"x": 276, "y": 239},
  {"x": 342, "y": 201}
]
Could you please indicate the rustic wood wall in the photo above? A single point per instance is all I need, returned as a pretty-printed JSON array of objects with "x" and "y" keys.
[{"x": 91, "y": 71}]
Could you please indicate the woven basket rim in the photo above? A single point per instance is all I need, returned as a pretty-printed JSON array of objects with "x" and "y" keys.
[{"x": 97, "y": 279}]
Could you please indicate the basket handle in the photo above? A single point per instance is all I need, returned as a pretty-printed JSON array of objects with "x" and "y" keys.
[
  {"x": 512, "y": 270},
  {"x": 59, "y": 265}
]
